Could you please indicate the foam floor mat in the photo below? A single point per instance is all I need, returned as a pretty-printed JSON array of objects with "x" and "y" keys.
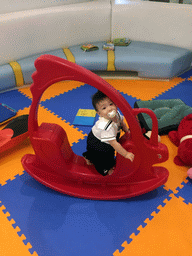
[{"x": 35, "y": 220}]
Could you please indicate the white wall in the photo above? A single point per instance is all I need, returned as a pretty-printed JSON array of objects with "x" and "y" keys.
[
  {"x": 21, "y": 5},
  {"x": 29, "y": 32},
  {"x": 34, "y": 31},
  {"x": 165, "y": 23}
]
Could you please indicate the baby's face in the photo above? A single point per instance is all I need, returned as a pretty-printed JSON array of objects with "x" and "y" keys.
[{"x": 104, "y": 107}]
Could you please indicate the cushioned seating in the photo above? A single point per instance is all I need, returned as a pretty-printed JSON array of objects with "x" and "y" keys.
[
  {"x": 153, "y": 60},
  {"x": 150, "y": 60},
  {"x": 169, "y": 113}
]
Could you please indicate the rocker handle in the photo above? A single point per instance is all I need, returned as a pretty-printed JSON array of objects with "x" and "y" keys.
[
  {"x": 51, "y": 69},
  {"x": 154, "y": 135}
]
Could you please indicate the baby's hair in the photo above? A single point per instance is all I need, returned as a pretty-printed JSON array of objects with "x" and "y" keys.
[{"x": 97, "y": 97}]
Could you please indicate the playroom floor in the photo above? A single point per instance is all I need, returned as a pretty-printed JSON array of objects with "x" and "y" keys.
[{"x": 35, "y": 220}]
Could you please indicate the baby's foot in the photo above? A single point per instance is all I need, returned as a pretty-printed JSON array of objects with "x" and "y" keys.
[
  {"x": 111, "y": 171},
  {"x": 88, "y": 162}
]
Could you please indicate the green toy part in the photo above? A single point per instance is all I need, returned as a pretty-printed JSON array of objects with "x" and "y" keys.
[{"x": 169, "y": 114}]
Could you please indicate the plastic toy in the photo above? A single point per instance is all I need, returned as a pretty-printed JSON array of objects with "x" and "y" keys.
[
  {"x": 6, "y": 113},
  {"x": 14, "y": 133},
  {"x": 189, "y": 173},
  {"x": 169, "y": 113},
  {"x": 58, "y": 167},
  {"x": 182, "y": 138},
  {"x": 85, "y": 117}
]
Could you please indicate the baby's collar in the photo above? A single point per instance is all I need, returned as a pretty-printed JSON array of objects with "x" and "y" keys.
[{"x": 104, "y": 119}]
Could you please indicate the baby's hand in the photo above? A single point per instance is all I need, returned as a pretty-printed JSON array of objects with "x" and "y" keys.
[{"x": 130, "y": 156}]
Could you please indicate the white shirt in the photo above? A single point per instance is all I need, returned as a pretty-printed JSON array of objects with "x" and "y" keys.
[{"x": 106, "y": 130}]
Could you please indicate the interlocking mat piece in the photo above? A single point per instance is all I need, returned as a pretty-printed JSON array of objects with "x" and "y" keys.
[
  {"x": 54, "y": 90},
  {"x": 171, "y": 227},
  {"x": 35, "y": 220},
  {"x": 144, "y": 89},
  {"x": 85, "y": 117},
  {"x": 11, "y": 242}
]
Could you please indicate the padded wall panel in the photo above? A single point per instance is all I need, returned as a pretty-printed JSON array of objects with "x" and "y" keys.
[
  {"x": 7, "y": 76},
  {"x": 31, "y": 32},
  {"x": 157, "y": 22}
]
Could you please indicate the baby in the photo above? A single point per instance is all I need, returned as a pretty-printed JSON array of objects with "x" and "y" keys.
[{"x": 102, "y": 141}]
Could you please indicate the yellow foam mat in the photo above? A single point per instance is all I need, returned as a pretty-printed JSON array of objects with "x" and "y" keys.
[
  {"x": 86, "y": 112},
  {"x": 168, "y": 233}
]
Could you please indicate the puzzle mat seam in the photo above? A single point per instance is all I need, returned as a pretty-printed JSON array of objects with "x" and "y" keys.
[
  {"x": 68, "y": 88},
  {"x": 27, "y": 96},
  {"x": 17, "y": 229},
  {"x": 179, "y": 188},
  {"x": 167, "y": 90},
  {"x": 146, "y": 221},
  {"x": 60, "y": 93},
  {"x": 116, "y": 253},
  {"x": 133, "y": 235},
  {"x": 75, "y": 128},
  {"x": 78, "y": 139},
  {"x": 125, "y": 244}
]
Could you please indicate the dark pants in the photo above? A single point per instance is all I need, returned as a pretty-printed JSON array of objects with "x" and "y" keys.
[{"x": 100, "y": 154}]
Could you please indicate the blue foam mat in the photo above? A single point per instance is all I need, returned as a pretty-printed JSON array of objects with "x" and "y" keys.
[
  {"x": 6, "y": 112},
  {"x": 57, "y": 224},
  {"x": 84, "y": 120},
  {"x": 15, "y": 99},
  {"x": 182, "y": 91},
  {"x": 79, "y": 98},
  {"x": 185, "y": 192}
]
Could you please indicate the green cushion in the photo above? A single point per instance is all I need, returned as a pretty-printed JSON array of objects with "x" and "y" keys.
[{"x": 169, "y": 114}]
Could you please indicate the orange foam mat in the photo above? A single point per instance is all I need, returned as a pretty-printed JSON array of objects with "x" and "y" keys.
[
  {"x": 177, "y": 174},
  {"x": 144, "y": 89},
  {"x": 168, "y": 233},
  {"x": 11, "y": 243},
  {"x": 54, "y": 90},
  {"x": 73, "y": 134},
  {"x": 11, "y": 160}
]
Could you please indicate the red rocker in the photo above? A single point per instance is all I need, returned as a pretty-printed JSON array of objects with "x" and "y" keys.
[
  {"x": 14, "y": 133},
  {"x": 55, "y": 164}
]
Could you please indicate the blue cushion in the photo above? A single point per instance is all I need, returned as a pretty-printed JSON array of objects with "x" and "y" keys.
[{"x": 150, "y": 60}]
